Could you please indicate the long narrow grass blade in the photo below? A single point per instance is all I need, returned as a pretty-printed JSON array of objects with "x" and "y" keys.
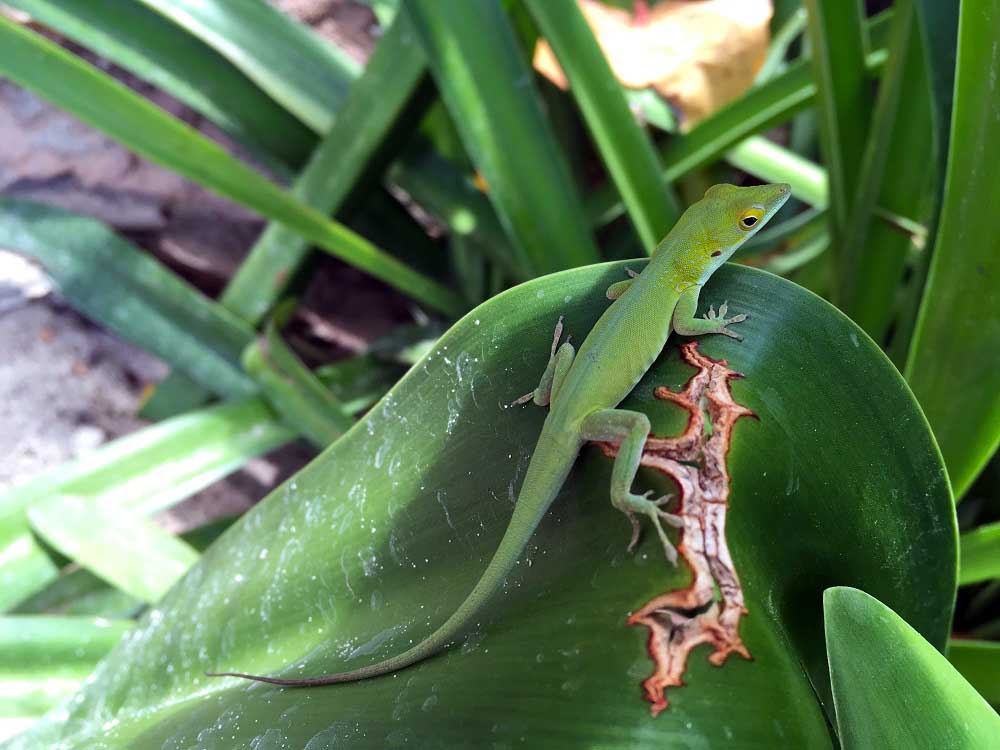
[
  {"x": 370, "y": 111},
  {"x": 79, "y": 592},
  {"x": 306, "y": 75},
  {"x": 296, "y": 392},
  {"x": 360, "y": 381},
  {"x": 99, "y": 100},
  {"x": 957, "y": 325},
  {"x": 938, "y": 24},
  {"x": 161, "y": 465},
  {"x": 979, "y": 663},
  {"x": 770, "y": 162},
  {"x": 763, "y": 107},
  {"x": 784, "y": 36},
  {"x": 153, "y": 48},
  {"x": 446, "y": 192},
  {"x": 128, "y": 551},
  {"x": 937, "y": 21},
  {"x": 776, "y": 234},
  {"x": 44, "y": 659},
  {"x": 487, "y": 86},
  {"x": 624, "y": 147},
  {"x": 874, "y": 252},
  {"x": 979, "y": 554},
  {"x": 143, "y": 472},
  {"x": 838, "y": 64},
  {"x": 129, "y": 292}
]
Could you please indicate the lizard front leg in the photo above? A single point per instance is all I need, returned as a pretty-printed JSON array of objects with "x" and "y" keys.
[
  {"x": 560, "y": 359},
  {"x": 619, "y": 288},
  {"x": 686, "y": 324},
  {"x": 630, "y": 429}
]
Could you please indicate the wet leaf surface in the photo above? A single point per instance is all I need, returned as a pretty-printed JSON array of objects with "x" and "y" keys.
[{"x": 375, "y": 543}]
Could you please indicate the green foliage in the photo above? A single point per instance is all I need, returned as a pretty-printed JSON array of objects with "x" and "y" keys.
[
  {"x": 839, "y": 484},
  {"x": 959, "y": 316},
  {"x": 626, "y": 150},
  {"x": 98, "y": 99},
  {"x": 486, "y": 84},
  {"x": 370, "y": 546},
  {"x": 894, "y": 689}
]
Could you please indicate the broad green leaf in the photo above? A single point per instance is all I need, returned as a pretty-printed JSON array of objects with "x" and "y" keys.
[
  {"x": 894, "y": 689},
  {"x": 371, "y": 109},
  {"x": 624, "y": 147},
  {"x": 131, "y": 293},
  {"x": 838, "y": 64},
  {"x": 44, "y": 659},
  {"x": 959, "y": 318},
  {"x": 875, "y": 252},
  {"x": 979, "y": 663},
  {"x": 116, "y": 543},
  {"x": 306, "y": 75},
  {"x": 979, "y": 554},
  {"x": 144, "y": 472},
  {"x": 489, "y": 91},
  {"x": 81, "y": 89},
  {"x": 151, "y": 47},
  {"x": 373, "y": 544}
]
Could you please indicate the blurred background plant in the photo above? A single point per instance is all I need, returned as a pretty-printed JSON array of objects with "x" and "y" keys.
[{"x": 480, "y": 144}]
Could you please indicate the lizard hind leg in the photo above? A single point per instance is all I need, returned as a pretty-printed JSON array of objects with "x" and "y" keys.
[
  {"x": 630, "y": 429},
  {"x": 560, "y": 359}
]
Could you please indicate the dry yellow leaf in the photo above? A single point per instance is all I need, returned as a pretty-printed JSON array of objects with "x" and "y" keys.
[{"x": 698, "y": 54}]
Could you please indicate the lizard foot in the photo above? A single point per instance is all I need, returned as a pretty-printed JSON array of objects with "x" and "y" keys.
[
  {"x": 636, "y": 505},
  {"x": 722, "y": 321}
]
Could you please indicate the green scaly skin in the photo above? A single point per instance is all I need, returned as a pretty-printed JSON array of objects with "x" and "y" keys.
[{"x": 583, "y": 388}]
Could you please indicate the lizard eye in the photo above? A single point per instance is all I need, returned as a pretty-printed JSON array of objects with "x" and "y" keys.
[{"x": 750, "y": 218}]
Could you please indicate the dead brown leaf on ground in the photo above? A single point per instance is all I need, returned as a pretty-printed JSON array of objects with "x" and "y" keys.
[{"x": 697, "y": 54}]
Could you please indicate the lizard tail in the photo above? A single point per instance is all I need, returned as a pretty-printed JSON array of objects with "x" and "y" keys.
[{"x": 549, "y": 467}]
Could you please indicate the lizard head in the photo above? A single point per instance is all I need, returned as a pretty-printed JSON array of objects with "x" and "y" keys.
[{"x": 731, "y": 216}]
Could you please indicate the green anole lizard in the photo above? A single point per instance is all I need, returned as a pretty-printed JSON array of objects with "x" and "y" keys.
[{"x": 583, "y": 388}]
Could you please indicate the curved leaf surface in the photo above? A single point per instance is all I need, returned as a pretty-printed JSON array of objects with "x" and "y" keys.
[
  {"x": 892, "y": 688},
  {"x": 372, "y": 545}
]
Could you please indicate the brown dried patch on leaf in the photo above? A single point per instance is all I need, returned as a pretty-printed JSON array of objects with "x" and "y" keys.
[{"x": 680, "y": 620}]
